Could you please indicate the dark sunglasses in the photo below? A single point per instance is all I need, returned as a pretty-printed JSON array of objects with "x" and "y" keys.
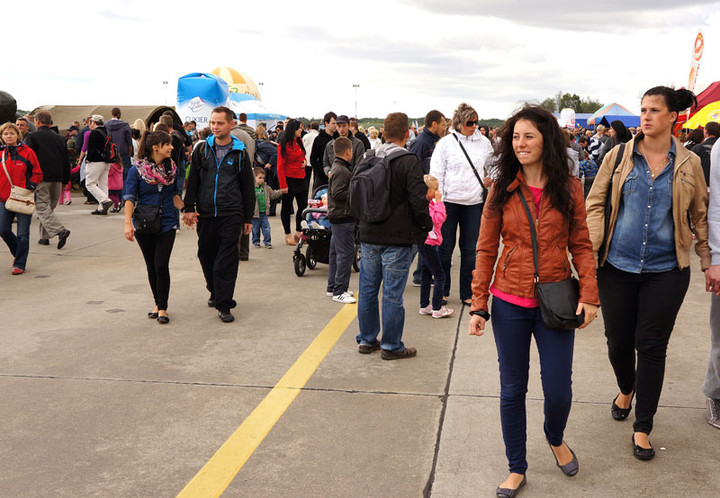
[{"x": 471, "y": 123}]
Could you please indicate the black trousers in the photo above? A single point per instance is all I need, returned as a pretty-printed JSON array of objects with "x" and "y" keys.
[
  {"x": 218, "y": 254},
  {"x": 639, "y": 313},
  {"x": 156, "y": 250},
  {"x": 298, "y": 190}
]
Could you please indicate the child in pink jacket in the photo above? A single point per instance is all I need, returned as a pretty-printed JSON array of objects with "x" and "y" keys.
[{"x": 430, "y": 266}]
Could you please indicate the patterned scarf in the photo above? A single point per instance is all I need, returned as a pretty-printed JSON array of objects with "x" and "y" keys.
[{"x": 153, "y": 174}]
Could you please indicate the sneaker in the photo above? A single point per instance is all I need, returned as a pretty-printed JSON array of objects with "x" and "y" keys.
[
  {"x": 62, "y": 237},
  {"x": 44, "y": 242},
  {"x": 257, "y": 245},
  {"x": 329, "y": 294},
  {"x": 405, "y": 353},
  {"x": 226, "y": 316},
  {"x": 106, "y": 205},
  {"x": 268, "y": 246},
  {"x": 416, "y": 284},
  {"x": 713, "y": 412},
  {"x": 344, "y": 298},
  {"x": 102, "y": 213},
  {"x": 368, "y": 348},
  {"x": 349, "y": 292},
  {"x": 17, "y": 271},
  {"x": 442, "y": 312},
  {"x": 427, "y": 310}
]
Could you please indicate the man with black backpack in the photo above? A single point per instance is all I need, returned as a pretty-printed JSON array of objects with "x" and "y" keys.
[
  {"x": 712, "y": 132},
  {"x": 97, "y": 164},
  {"x": 387, "y": 234}
]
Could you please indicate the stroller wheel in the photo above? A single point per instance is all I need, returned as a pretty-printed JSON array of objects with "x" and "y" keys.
[
  {"x": 299, "y": 263},
  {"x": 311, "y": 261}
]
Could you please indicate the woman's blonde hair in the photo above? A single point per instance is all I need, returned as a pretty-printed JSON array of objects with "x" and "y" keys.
[
  {"x": 431, "y": 182},
  {"x": 13, "y": 126},
  {"x": 463, "y": 114},
  {"x": 260, "y": 132},
  {"x": 373, "y": 131}
]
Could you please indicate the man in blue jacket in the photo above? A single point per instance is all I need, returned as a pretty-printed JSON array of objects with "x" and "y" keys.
[{"x": 220, "y": 199}]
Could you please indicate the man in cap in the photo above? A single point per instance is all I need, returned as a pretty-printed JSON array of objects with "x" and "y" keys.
[
  {"x": 96, "y": 169},
  {"x": 53, "y": 158},
  {"x": 342, "y": 129}
]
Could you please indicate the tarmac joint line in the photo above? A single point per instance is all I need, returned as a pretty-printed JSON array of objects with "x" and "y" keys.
[{"x": 221, "y": 469}]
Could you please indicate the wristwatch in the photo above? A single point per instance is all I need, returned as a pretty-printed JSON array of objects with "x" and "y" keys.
[{"x": 481, "y": 313}]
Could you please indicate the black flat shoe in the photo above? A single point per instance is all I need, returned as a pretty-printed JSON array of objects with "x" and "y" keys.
[
  {"x": 618, "y": 413},
  {"x": 153, "y": 315},
  {"x": 571, "y": 468},
  {"x": 163, "y": 319},
  {"x": 642, "y": 453},
  {"x": 211, "y": 302},
  {"x": 510, "y": 493}
]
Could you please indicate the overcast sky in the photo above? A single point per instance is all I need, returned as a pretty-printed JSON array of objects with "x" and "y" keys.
[{"x": 406, "y": 55}]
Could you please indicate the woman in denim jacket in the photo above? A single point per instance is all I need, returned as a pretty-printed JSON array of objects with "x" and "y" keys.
[
  {"x": 657, "y": 193},
  {"x": 153, "y": 180}
]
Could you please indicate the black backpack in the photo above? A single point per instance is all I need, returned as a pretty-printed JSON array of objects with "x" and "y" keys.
[
  {"x": 110, "y": 151},
  {"x": 705, "y": 162},
  {"x": 369, "y": 193}
]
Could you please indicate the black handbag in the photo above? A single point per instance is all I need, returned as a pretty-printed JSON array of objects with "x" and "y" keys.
[
  {"x": 558, "y": 300},
  {"x": 148, "y": 218}
]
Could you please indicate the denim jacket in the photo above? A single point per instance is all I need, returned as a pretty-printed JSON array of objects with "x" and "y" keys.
[
  {"x": 140, "y": 192},
  {"x": 644, "y": 238}
]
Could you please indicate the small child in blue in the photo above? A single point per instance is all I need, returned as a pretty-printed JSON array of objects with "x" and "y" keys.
[
  {"x": 430, "y": 259},
  {"x": 263, "y": 195}
]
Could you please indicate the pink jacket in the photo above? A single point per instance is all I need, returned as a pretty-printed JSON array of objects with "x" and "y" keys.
[
  {"x": 115, "y": 177},
  {"x": 438, "y": 215}
]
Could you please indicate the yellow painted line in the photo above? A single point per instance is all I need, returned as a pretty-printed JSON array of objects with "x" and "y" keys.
[{"x": 221, "y": 469}]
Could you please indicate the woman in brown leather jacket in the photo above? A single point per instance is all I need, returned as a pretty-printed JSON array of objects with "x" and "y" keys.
[{"x": 532, "y": 161}]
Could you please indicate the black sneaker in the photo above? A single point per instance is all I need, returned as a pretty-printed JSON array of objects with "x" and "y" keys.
[
  {"x": 62, "y": 237},
  {"x": 226, "y": 316},
  {"x": 44, "y": 242},
  {"x": 405, "y": 353},
  {"x": 211, "y": 302}
]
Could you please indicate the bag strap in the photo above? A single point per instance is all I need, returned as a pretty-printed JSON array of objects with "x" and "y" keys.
[
  {"x": 608, "y": 197},
  {"x": 533, "y": 235},
  {"x": 4, "y": 152},
  {"x": 477, "y": 175}
]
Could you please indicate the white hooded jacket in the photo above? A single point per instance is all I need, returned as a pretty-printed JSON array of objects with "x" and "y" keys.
[{"x": 457, "y": 182}]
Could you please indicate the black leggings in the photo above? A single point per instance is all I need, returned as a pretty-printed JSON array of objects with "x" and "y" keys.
[
  {"x": 639, "y": 311},
  {"x": 156, "y": 250},
  {"x": 298, "y": 190}
]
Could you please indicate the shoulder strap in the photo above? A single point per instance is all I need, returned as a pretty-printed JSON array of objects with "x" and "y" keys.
[
  {"x": 477, "y": 175},
  {"x": 533, "y": 235},
  {"x": 4, "y": 153}
]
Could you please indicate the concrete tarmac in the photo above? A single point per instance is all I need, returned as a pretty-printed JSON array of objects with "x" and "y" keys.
[{"x": 98, "y": 400}]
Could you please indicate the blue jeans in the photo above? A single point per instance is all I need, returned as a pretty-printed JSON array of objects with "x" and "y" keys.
[
  {"x": 390, "y": 266},
  {"x": 468, "y": 219},
  {"x": 342, "y": 254},
  {"x": 19, "y": 245},
  {"x": 431, "y": 267},
  {"x": 261, "y": 223},
  {"x": 513, "y": 327}
]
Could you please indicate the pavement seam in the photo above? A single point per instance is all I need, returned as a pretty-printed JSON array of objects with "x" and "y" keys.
[{"x": 444, "y": 401}]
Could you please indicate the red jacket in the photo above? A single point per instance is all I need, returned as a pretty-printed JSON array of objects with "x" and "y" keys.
[
  {"x": 23, "y": 167},
  {"x": 292, "y": 165},
  {"x": 515, "y": 268}
]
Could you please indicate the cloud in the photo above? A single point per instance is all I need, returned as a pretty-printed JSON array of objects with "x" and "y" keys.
[{"x": 605, "y": 16}]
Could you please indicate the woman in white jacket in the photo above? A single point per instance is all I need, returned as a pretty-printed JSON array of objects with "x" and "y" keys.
[{"x": 459, "y": 165}]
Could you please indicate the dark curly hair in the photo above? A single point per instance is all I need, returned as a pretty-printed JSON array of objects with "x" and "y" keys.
[{"x": 554, "y": 160}]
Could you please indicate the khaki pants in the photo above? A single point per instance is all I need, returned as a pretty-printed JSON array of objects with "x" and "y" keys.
[
  {"x": 96, "y": 180},
  {"x": 47, "y": 195}
]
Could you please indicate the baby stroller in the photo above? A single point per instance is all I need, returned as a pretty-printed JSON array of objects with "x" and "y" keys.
[{"x": 316, "y": 234}]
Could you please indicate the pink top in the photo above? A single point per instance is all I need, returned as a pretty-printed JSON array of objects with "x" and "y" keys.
[
  {"x": 438, "y": 215},
  {"x": 525, "y": 302}
]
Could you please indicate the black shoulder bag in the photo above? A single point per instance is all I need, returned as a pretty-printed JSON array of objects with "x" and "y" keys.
[
  {"x": 608, "y": 200},
  {"x": 148, "y": 217},
  {"x": 558, "y": 300},
  {"x": 477, "y": 175}
]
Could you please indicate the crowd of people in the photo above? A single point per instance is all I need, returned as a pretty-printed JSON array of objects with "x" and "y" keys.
[{"x": 621, "y": 206}]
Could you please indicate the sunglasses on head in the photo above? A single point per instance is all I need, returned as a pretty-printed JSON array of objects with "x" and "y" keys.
[{"x": 471, "y": 123}]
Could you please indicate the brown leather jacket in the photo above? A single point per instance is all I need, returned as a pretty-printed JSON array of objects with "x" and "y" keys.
[{"x": 515, "y": 268}]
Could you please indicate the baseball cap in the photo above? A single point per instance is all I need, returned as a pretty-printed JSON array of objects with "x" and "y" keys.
[{"x": 342, "y": 119}]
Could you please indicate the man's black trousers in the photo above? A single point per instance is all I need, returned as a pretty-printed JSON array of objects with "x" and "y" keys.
[{"x": 218, "y": 254}]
